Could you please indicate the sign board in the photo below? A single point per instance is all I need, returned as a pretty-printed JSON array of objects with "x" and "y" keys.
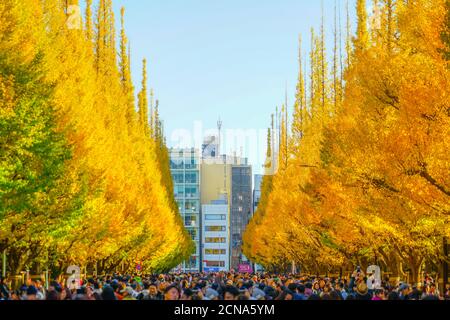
[
  {"x": 245, "y": 268},
  {"x": 212, "y": 269}
]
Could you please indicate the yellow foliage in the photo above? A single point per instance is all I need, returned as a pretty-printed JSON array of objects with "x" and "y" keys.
[
  {"x": 126, "y": 213},
  {"x": 371, "y": 180}
]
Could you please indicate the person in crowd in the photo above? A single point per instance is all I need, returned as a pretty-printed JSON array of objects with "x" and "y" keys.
[
  {"x": 81, "y": 294},
  {"x": 314, "y": 297},
  {"x": 335, "y": 296},
  {"x": 224, "y": 286},
  {"x": 4, "y": 289},
  {"x": 52, "y": 296},
  {"x": 415, "y": 294},
  {"x": 108, "y": 293},
  {"x": 40, "y": 290},
  {"x": 286, "y": 295},
  {"x": 447, "y": 292},
  {"x": 301, "y": 293},
  {"x": 172, "y": 293},
  {"x": 231, "y": 293},
  {"x": 187, "y": 295},
  {"x": 316, "y": 288},
  {"x": 340, "y": 288},
  {"x": 379, "y": 295},
  {"x": 404, "y": 291},
  {"x": 308, "y": 289},
  {"x": 128, "y": 294},
  {"x": 362, "y": 292},
  {"x": 350, "y": 297},
  {"x": 258, "y": 293},
  {"x": 32, "y": 293},
  {"x": 212, "y": 294},
  {"x": 393, "y": 296}
]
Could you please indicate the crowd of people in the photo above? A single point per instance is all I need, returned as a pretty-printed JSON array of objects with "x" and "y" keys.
[{"x": 224, "y": 286}]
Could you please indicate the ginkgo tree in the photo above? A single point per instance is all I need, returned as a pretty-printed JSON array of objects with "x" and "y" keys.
[
  {"x": 366, "y": 176},
  {"x": 81, "y": 182}
]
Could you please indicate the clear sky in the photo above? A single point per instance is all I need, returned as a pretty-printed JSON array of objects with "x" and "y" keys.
[{"x": 229, "y": 59}]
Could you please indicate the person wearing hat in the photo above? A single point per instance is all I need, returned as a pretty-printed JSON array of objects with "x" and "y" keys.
[
  {"x": 362, "y": 292},
  {"x": 31, "y": 293}
]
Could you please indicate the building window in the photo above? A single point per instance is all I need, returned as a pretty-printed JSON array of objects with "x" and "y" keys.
[
  {"x": 178, "y": 177},
  {"x": 193, "y": 234},
  {"x": 176, "y": 164},
  {"x": 215, "y": 228},
  {"x": 215, "y": 217},
  {"x": 215, "y": 240},
  {"x": 190, "y": 220},
  {"x": 192, "y": 206},
  {"x": 192, "y": 263},
  {"x": 192, "y": 177},
  {"x": 180, "y": 205},
  {"x": 191, "y": 164},
  {"x": 215, "y": 264},
  {"x": 191, "y": 192},
  {"x": 179, "y": 191},
  {"x": 215, "y": 251}
]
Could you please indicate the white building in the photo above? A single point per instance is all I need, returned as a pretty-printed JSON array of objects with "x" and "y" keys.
[{"x": 215, "y": 236}]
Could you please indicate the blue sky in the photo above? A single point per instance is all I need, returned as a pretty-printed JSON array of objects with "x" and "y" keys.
[{"x": 229, "y": 59}]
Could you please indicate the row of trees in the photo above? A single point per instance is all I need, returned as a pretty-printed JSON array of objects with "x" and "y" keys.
[
  {"x": 84, "y": 178},
  {"x": 362, "y": 176}
]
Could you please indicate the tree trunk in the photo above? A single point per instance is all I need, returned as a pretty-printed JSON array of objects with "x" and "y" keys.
[{"x": 416, "y": 269}]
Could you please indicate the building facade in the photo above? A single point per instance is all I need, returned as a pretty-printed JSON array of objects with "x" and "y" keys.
[
  {"x": 240, "y": 210},
  {"x": 215, "y": 236},
  {"x": 185, "y": 169},
  {"x": 214, "y": 196},
  {"x": 230, "y": 178}
]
